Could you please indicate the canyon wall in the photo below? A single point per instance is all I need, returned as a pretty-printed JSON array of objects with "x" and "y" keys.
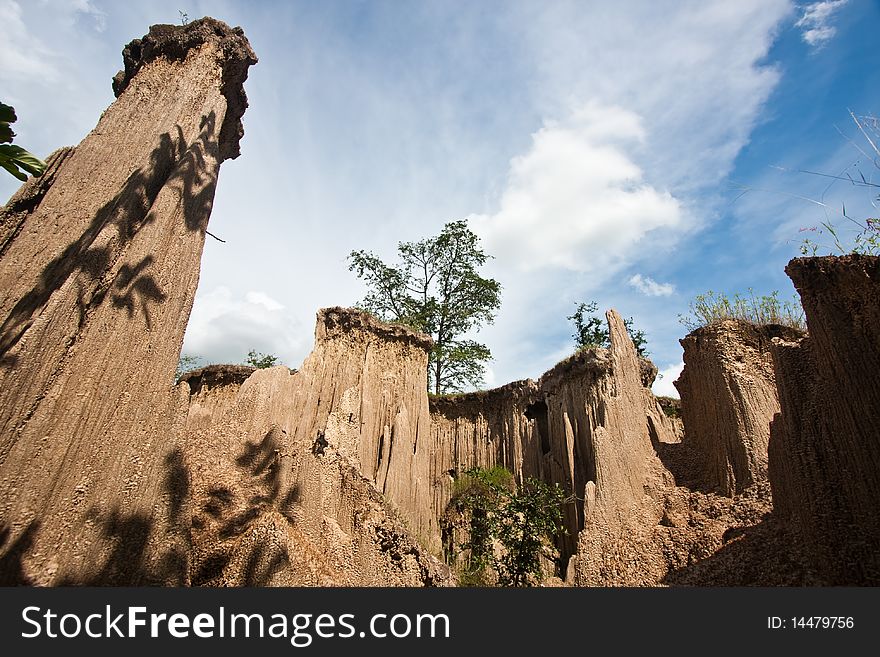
[
  {"x": 632, "y": 517},
  {"x": 339, "y": 474},
  {"x": 212, "y": 391},
  {"x": 99, "y": 264},
  {"x": 825, "y": 442},
  {"x": 728, "y": 398},
  {"x": 320, "y": 477},
  {"x": 483, "y": 429},
  {"x": 587, "y": 424}
]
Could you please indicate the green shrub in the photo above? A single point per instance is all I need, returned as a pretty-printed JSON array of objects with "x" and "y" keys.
[
  {"x": 481, "y": 480},
  {"x": 525, "y": 527},
  {"x": 260, "y": 360},
  {"x": 509, "y": 529},
  {"x": 670, "y": 405}
]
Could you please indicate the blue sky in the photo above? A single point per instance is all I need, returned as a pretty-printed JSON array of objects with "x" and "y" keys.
[{"x": 599, "y": 149}]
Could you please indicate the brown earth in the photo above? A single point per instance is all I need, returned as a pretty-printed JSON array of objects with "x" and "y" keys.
[
  {"x": 728, "y": 397},
  {"x": 825, "y": 442},
  {"x": 99, "y": 264},
  {"x": 339, "y": 474},
  {"x": 633, "y": 519},
  {"x": 212, "y": 390},
  {"x": 550, "y": 429},
  {"x": 319, "y": 477}
]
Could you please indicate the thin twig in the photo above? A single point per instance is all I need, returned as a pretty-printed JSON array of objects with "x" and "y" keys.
[{"x": 207, "y": 232}]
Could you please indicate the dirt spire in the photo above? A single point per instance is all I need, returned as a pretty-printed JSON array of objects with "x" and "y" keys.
[{"x": 99, "y": 264}]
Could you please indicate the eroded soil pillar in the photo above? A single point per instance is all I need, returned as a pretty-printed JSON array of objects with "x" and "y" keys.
[
  {"x": 99, "y": 264},
  {"x": 825, "y": 442}
]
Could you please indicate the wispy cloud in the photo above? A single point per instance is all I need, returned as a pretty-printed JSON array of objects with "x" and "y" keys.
[
  {"x": 816, "y": 22},
  {"x": 649, "y": 287},
  {"x": 88, "y": 8},
  {"x": 623, "y": 166},
  {"x": 22, "y": 55}
]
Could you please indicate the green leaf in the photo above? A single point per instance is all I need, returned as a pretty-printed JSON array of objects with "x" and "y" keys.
[
  {"x": 436, "y": 288},
  {"x": 11, "y": 168},
  {"x": 23, "y": 159}
]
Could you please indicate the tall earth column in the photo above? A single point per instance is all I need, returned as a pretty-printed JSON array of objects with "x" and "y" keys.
[{"x": 99, "y": 264}]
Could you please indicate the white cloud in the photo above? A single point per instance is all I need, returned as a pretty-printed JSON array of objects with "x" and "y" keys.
[
  {"x": 693, "y": 73},
  {"x": 22, "y": 55},
  {"x": 576, "y": 200},
  {"x": 645, "y": 111},
  {"x": 224, "y": 327},
  {"x": 263, "y": 299},
  {"x": 89, "y": 9},
  {"x": 815, "y": 23},
  {"x": 663, "y": 384},
  {"x": 649, "y": 287}
]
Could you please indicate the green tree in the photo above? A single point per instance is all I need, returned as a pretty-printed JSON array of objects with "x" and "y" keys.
[
  {"x": 260, "y": 360},
  {"x": 437, "y": 289},
  {"x": 15, "y": 159},
  {"x": 478, "y": 492},
  {"x": 528, "y": 522},
  {"x": 591, "y": 331},
  {"x": 522, "y": 522}
]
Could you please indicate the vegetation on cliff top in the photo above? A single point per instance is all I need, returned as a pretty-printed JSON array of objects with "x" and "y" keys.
[
  {"x": 864, "y": 235},
  {"x": 590, "y": 330},
  {"x": 712, "y": 308},
  {"x": 189, "y": 362},
  {"x": 260, "y": 360}
]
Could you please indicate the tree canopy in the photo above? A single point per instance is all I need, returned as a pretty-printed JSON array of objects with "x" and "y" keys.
[
  {"x": 592, "y": 331},
  {"x": 436, "y": 288},
  {"x": 260, "y": 360}
]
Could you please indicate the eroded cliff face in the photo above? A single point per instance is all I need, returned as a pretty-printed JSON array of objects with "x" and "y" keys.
[
  {"x": 320, "y": 477},
  {"x": 634, "y": 517},
  {"x": 483, "y": 429},
  {"x": 728, "y": 398},
  {"x": 338, "y": 474},
  {"x": 212, "y": 391},
  {"x": 99, "y": 263},
  {"x": 587, "y": 424},
  {"x": 616, "y": 471},
  {"x": 825, "y": 442}
]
